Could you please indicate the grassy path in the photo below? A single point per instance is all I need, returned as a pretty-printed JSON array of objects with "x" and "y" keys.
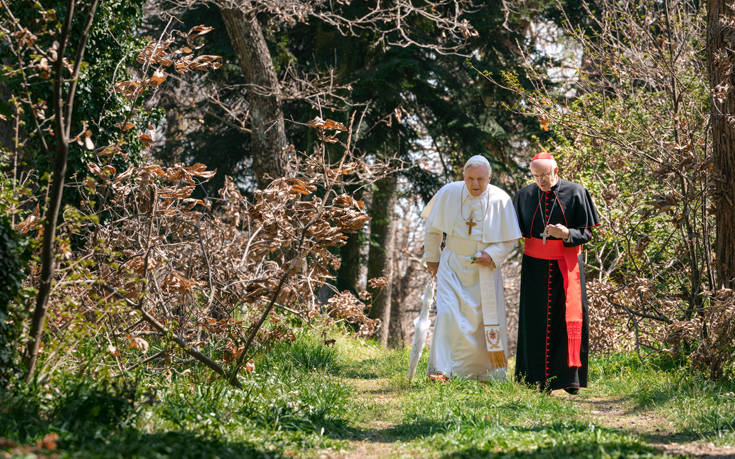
[
  {"x": 381, "y": 410},
  {"x": 616, "y": 412},
  {"x": 352, "y": 400},
  {"x": 469, "y": 419},
  {"x": 656, "y": 430}
]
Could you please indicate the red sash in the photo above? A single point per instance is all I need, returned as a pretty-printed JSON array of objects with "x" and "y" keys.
[{"x": 569, "y": 267}]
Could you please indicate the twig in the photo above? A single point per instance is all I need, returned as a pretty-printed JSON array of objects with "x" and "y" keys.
[
  {"x": 78, "y": 64},
  {"x": 206, "y": 259},
  {"x": 152, "y": 320},
  {"x": 143, "y": 362}
]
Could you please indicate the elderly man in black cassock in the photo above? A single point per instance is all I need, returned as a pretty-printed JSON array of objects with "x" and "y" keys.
[{"x": 556, "y": 218}]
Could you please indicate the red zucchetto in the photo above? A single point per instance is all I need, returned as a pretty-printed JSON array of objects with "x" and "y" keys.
[{"x": 543, "y": 155}]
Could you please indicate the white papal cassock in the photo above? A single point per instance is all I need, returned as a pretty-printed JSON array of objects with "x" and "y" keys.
[{"x": 470, "y": 335}]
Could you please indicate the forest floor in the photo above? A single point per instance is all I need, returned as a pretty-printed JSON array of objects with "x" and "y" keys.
[
  {"x": 353, "y": 400},
  {"x": 628, "y": 410}
]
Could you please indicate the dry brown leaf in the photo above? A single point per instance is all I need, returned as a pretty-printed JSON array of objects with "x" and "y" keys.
[
  {"x": 139, "y": 343},
  {"x": 331, "y": 124},
  {"x": 157, "y": 78},
  {"x": 190, "y": 203},
  {"x": 30, "y": 223},
  {"x": 146, "y": 139},
  {"x": 176, "y": 192},
  {"x": 299, "y": 188},
  {"x": 174, "y": 282},
  {"x": 126, "y": 126},
  {"x": 127, "y": 174},
  {"x": 200, "y": 170},
  {"x": 155, "y": 170},
  {"x": 206, "y": 62},
  {"x": 128, "y": 89},
  {"x": 378, "y": 282},
  {"x": 155, "y": 52},
  {"x": 88, "y": 140},
  {"x": 112, "y": 350},
  {"x": 197, "y": 31},
  {"x": 94, "y": 168},
  {"x": 48, "y": 441}
]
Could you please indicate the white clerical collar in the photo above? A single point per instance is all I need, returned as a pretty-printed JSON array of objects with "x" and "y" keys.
[{"x": 466, "y": 193}]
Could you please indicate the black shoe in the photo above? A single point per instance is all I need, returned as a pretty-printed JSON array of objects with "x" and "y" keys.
[{"x": 572, "y": 390}]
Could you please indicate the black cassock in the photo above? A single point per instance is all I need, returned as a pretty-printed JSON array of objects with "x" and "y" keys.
[{"x": 541, "y": 357}]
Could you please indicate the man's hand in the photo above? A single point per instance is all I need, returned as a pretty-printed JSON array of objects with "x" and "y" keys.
[
  {"x": 558, "y": 231},
  {"x": 485, "y": 260},
  {"x": 433, "y": 267}
]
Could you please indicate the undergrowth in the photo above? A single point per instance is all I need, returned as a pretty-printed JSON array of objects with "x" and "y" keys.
[{"x": 306, "y": 398}]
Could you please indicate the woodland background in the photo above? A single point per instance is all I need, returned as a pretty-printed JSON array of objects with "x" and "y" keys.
[{"x": 191, "y": 182}]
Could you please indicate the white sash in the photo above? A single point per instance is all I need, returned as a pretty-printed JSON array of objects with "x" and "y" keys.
[{"x": 490, "y": 311}]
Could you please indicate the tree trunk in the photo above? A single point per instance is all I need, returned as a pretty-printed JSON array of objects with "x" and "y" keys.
[
  {"x": 397, "y": 337},
  {"x": 380, "y": 263},
  {"x": 174, "y": 149},
  {"x": 62, "y": 124},
  {"x": 720, "y": 58},
  {"x": 47, "y": 255},
  {"x": 268, "y": 136},
  {"x": 348, "y": 276}
]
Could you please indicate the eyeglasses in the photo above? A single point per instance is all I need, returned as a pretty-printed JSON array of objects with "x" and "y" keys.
[{"x": 540, "y": 176}]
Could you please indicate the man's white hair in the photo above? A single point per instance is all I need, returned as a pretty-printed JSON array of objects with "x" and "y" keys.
[
  {"x": 545, "y": 162},
  {"x": 478, "y": 160}
]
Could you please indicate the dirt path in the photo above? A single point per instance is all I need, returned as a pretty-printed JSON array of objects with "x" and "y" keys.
[
  {"x": 614, "y": 413},
  {"x": 375, "y": 437}
]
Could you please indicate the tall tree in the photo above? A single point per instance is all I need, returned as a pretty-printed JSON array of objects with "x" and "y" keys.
[
  {"x": 348, "y": 275},
  {"x": 380, "y": 261},
  {"x": 720, "y": 58},
  {"x": 268, "y": 132},
  {"x": 410, "y": 93}
]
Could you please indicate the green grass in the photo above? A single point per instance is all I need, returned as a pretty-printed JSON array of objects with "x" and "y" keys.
[
  {"x": 469, "y": 419},
  {"x": 699, "y": 408},
  {"x": 291, "y": 403},
  {"x": 307, "y": 399}
]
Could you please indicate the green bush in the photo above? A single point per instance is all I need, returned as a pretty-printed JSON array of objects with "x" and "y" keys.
[
  {"x": 21, "y": 413},
  {"x": 290, "y": 389},
  {"x": 80, "y": 411},
  {"x": 89, "y": 408}
]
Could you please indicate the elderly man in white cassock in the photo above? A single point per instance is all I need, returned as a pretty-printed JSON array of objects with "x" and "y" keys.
[{"x": 470, "y": 335}]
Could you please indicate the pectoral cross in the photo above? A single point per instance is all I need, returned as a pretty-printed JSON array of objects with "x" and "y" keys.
[
  {"x": 544, "y": 235},
  {"x": 470, "y": 223}
]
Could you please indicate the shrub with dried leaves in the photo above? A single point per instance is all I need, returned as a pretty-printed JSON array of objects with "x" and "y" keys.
[{"x": 169, "y": 269}]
